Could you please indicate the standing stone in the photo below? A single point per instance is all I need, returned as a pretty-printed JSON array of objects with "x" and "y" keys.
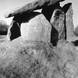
[
  {"x": 69, "y": 21},
  {"x": 58, "y": 28},
  {"x": 36, "y": 29}
]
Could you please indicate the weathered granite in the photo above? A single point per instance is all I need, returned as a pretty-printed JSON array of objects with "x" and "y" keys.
[
  {"x": 27, "y": 59},
  {"x": 32, "y": 5},
  {"x": 58, "y": 28},
  {"x": 36, "y": 29},
  {"x": 31, "y": 59}
]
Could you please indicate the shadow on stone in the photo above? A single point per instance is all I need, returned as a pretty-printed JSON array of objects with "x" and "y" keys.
[
  {"x": 16, "y": 23},
  {"x": 48, "y": 10},
  {"x": 25, "y": 17},
  {"x": 66, "y": 7}
]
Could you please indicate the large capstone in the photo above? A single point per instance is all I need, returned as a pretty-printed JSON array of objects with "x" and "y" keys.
[
  {"x": 36, "y": 29},
  {"x": 33, "y": 5}
]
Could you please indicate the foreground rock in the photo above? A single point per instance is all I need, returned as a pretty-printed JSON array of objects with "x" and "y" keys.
[
  {"x": 27, "y": 59},
  {"x": 33, "y": 5},
  {"x": 48, "y": 10},
  {"x": 58, "y": 27},
  {"x": 36, "y": 29}
]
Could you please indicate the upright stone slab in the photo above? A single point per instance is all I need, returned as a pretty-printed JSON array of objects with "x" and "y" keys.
[
  {"x": 76, "y": 31},
  {"x": 37, "y": 29},
  {"x": 58, "y": 28},
  {"x": 69, "y": 21}
]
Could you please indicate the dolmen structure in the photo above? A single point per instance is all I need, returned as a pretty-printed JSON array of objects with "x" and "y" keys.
[
  {"x": 50, "y": 25},
  {"x": 36, "y": 26},
  {"x": 41, "y": 42}
]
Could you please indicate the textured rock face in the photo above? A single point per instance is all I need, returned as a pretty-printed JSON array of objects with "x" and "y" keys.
[
  {"x": 58, "y": 29},
  {"x": 69, "y": 21},
  {"x": 27, "y": 59},
  {"x": 32, "y": 55},
  {"x": 36, "y": 29},
  {"x": 76, "y": 31},
  {"x": 32, "y": 5}
]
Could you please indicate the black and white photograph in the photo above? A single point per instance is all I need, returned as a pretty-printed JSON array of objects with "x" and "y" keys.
[{"x": 38, "y": 38}]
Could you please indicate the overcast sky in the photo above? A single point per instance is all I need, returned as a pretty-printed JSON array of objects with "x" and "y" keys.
[{"x": 8, "y": 5}]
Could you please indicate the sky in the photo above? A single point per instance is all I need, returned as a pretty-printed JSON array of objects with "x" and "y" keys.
[{"x": 6, "y": 6}]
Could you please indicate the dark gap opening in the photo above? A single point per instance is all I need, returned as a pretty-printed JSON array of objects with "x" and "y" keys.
[
  {"x": 54, "y": 36},
  {"x": 66, "y": 7},
  {"x": 75, "y": 42},
  {"x": 48, "y": 10}
]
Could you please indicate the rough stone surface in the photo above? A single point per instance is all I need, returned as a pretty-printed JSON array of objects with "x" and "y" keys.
[
  {"x": 36, "y": 29},
  {"x": 69, "y": 61},
  {"x": 27, "y": 59},
  {"x": 69, "y": 21},
  {"x": 32, "y": 5},
  {"x": 58, "y": 28},
  {"x": 32, "y": 55}
]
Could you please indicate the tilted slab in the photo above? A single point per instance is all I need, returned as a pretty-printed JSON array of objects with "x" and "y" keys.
[{"x": 32, "y": 5}]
